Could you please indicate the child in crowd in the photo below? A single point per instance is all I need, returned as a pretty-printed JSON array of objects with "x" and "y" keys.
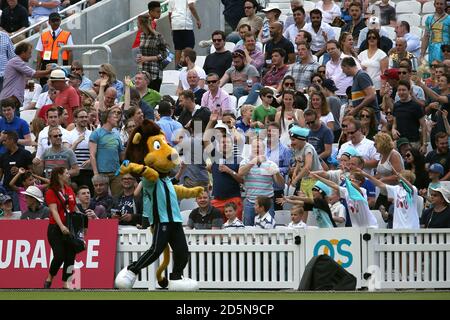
[
  {"x": 337, "y": 209},
  {"x": 263, "y": 219},
  {"x": 230, "y": 211},
  {"x": 246, "y": 117},
  {"x": 435, "y": 173},
  {"x": 6, "y": 208},
  {"x": 21, "y": 181},
  {"x": 318, "y": 205},
  {"x": 296, "y": 218}
]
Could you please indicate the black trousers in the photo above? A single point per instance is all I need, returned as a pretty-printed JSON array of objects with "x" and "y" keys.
[
  {"x": 84, "y": 178},
  {"x": 155, "y": 85},
  {"x": 165, "y": 233},
  {"x": 277, "y": 194},
  {"x": 62, "y": 252}
]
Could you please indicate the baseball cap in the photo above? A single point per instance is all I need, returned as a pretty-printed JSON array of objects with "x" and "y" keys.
[
  {"x": 4, "y": 198},
  {"x": 444, "y": 190},
  {"x": 373, "y": 23},
  {"x": 54, "y": 16},
  {"x": 401, "y": 142},
  {"x": 350, "y": 152},
  {"x": 438, "y": 168},
  {"x": 390, "y": 74},
  {"x": 299, "y": 132},
  {"x": 323, "y": 188},
  {"x": 329, "y": 84},
  {"x": 271, "y": 7}
]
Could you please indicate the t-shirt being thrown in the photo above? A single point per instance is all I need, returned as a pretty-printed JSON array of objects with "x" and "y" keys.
[
  {"x": 322, "y": 213},
  {"x": 359, "y": 211},
  {"x": 405, "y": 213}
]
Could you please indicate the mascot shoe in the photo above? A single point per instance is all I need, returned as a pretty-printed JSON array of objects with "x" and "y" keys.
[
  {"x": 184, "y": 284},
  {"x": 125, "y": 279}
]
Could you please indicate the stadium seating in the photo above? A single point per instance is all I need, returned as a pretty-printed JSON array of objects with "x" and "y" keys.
[
  {"x": 185, "y": 215},
  {"x": 390, "y": 31},
  {"x": 408, "y": 7},
  {"x": 168, "y": 89},
  {"x": 171, "y": 76},
  {"x": 200, "y": 61},
  {"x": 308, "y": 5},
  {"x": 228, "y": 87},
  {"x": 377, "y": 214},
  {"x": 428, "y": 7},
  {"x": 188, "y": 204},
  {"x": 282, "y": 217},
  {"x": 28, "y": 115},
  {"x": 424, "y": 18},
  {"x": 412, "y": 18},
  {"x": 416, "y": 31}
]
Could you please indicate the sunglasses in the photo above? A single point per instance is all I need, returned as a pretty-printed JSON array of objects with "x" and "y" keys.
[
  {"x": 289, "y": 84},
  {"x": 352, "y": 132},
  {"x": 366, "y": 116},
  {"x": 344, "y": 126},
  {"x": 309, "y": 123},
  {"x": 101, "y": 72},
  {"x": 57, "y": 136},
  {"x": 248, "y": 7},
  {"x": 217, "y": 40},
  {"x": 211, "y": 81},
  {"x": 372, "y": 38},
  {"x": 388, "y": 113},
  {"x": 75, "y": 69},
  {"x": 402, "y": 72},
  {"x": 269, "y": 96}
]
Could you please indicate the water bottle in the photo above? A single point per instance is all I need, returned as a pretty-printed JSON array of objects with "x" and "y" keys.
[{"x": 249, "y": 83}]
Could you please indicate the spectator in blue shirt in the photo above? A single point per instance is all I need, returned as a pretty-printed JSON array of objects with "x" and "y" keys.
[
  {"x": 6, "y": 53},
  {"x": 106, "y": 149},
  {"x": 170, "y": 127},
  {"x": 11, "y": 122},
  {"x": 320, "y": 136}
]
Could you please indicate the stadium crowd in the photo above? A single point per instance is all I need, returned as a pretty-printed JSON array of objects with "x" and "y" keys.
[{"x": 323, "y": 127}]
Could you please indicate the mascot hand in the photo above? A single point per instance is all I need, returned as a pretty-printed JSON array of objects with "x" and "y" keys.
[
  {"x": 150, "y": 174},
  {"x": 197, "y": 191}
]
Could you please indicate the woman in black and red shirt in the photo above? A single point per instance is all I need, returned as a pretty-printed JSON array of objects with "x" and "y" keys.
[{"x": 60, "y": 198}]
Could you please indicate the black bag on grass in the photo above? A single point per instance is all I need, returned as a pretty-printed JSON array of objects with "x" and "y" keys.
[{"x": 323, "y": 274}]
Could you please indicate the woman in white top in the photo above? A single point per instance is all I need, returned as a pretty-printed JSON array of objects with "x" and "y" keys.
[
  {"x": 374, "y": 60},
  {"x": 390, "y": 162},
  {"x": 330, "y": 10},
  {"x": 288, "y": 115},
  {"x": 319, "y": 104}
]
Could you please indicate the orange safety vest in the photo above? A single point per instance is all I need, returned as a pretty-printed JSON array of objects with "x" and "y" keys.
[{"x": 49, "y": 45}]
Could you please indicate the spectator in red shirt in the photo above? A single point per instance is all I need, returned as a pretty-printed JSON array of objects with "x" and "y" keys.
[
  {"x": 60, "y": 199},
  {"x": 67, "y": 96},
  {"x": 154, "y": 11}
]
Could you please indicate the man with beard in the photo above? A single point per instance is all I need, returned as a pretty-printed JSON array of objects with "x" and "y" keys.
[
  {"x": 279, "y": 41},
  {"x": 188, "y": 57},
  {"x": 320, "y": 32},
  {"x": 441, "y": 154}
]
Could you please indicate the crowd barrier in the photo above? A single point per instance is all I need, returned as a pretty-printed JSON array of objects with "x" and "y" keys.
[
  {"x": 275, "y": 259},
  {"x": 247, "y": 258}
]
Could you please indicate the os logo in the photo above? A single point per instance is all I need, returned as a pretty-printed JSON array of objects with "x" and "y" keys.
[{"x": 329, "y": 249}]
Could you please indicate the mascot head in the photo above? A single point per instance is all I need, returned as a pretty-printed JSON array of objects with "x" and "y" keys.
[{"x": 147, "y": 145}]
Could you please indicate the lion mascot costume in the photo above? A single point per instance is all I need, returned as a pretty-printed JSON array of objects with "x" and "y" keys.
[{"x": 150, "y": 156}]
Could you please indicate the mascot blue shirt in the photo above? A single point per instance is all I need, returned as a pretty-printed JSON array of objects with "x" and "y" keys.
[{"x": 161, "y": 200}]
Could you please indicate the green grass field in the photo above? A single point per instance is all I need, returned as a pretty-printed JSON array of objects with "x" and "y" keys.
[{"x": 218, "y": 295}]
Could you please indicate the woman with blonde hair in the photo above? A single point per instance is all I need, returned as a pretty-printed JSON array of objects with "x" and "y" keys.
[
  {"x": 390, "y": 162},
  {"x": 319, "y": 104},
  {"x": 153, "y": 51},
  {"x": 108, "y": 72}
]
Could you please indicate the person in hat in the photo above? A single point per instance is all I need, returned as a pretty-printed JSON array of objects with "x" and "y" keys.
[
  {"x": 35, "y": 204},
  {"x": 318, "y": 204},
  {"x": 435, "y": 173},
  {"x": 6, "y": 208},
  {"x": 372, "y": 23},
  {"x": 272, "y": 12},
  {"x": 306, "y": 159},
  {"x": 50, "y": 43},
  {"x": 385, "y": 11},
  {"x": 438, "y": 216},
  {"x": 67, "y": 96},
  {"x": 403, "y": 146}
]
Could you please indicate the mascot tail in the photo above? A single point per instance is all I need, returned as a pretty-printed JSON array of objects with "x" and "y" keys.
[{"x": 162, "y": 281}]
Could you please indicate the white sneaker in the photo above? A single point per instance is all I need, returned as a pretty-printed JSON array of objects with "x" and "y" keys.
[
  {"x": 205, "y": 43},
  {"x": 125, "y": 279},
  {"x": 184, "y": 284}
]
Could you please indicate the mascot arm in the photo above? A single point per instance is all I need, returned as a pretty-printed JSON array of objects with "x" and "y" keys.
[
  {"x": 186, "y": 193},
  {"x": 144, "y": 171}
]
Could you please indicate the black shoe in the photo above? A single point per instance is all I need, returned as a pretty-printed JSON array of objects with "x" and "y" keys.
[{"x": 47, "y": 284}]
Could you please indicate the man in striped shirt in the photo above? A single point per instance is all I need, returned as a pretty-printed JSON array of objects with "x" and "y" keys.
[
  {"x": 79, "y": 143},
  {"x": 6, "y": 54},
  {"x": 258, "y": 173}
]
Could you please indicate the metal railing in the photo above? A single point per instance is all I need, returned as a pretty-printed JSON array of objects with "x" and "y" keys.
[
  {"x": 78, "y": 7},
  {"x": 104, "y": 47},
  {"x": 131, "y": 21}
]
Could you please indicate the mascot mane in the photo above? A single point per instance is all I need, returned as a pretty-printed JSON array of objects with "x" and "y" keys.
[{"x": 137, "y": 147}]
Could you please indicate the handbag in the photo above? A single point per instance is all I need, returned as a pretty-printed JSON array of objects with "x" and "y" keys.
[{"x": 75, "y": 222}]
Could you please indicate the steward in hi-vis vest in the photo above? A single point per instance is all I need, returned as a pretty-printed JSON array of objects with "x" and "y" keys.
[{"x": 51, "y": 41}]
